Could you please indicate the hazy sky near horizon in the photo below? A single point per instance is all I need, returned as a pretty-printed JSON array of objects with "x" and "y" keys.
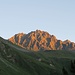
[{"x": 54, "y": 16}]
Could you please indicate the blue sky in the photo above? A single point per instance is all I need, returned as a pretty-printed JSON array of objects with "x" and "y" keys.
[{"x": 54, "y": 16}]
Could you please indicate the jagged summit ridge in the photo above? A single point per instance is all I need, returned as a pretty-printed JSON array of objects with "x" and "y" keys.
[{"x": 41, "y": 40}]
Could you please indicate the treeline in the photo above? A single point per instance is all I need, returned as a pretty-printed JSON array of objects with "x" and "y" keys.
[{"x": 72, "y": 69}]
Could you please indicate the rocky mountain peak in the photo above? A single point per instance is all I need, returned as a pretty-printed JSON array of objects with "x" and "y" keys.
[{"x": 41, "y": 40}]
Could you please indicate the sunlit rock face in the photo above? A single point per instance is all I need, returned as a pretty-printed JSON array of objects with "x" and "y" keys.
[{"x": 40, "y": 40}]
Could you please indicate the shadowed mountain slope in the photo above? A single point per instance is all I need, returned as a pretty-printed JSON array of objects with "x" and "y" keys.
[{"x": 15, "y": 60}]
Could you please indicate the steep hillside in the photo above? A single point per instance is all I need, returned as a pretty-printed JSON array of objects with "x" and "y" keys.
[
  {"x": 17, "y": 61},
  {"x": 40, "y": 40}
]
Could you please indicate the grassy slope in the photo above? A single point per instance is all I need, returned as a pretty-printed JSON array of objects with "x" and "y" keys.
[{"x": 27, "y": 63}]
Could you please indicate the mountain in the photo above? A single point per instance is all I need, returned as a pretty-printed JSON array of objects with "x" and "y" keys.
[
  {"x": 40, "y": 40},
  {"x": 15, "y": 60}
]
